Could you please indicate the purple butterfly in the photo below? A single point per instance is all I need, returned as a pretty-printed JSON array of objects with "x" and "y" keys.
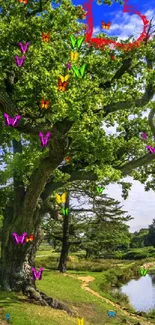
[
  {"x": 20, "y": 61},
  {"x": 144, "y": 136},
  {"x": 68, "y": 66},
  {"x": 13, "y": 121},
  {"x": 23, "y": 48},
  {"x": 44, "y": 140},
  {"x": 151, "y": 149},
  {"x": 37, "y": 275},
  {"x": 19, "y": 239}
]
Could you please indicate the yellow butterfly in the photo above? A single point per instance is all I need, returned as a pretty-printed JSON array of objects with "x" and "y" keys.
[
  {"x": 61, "y": 198},
  {"x": 64, "y": 78},
  {"x": 74, "y": 56},
  {"x": 63, "y": 82},
  {"x": 81, "y": 321}
]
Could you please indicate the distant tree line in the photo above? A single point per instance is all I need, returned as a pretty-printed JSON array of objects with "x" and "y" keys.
[
  {"x": 99, "y": 230},
  {"x": 144, "y": 237}
]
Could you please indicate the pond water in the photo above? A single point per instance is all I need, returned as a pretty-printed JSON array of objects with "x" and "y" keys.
[{"x": 141, "y": 293}]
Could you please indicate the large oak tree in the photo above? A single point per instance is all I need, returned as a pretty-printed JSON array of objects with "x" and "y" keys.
[{"x": 110, "y": 92}]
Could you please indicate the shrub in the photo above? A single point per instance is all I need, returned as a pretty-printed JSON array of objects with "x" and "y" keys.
[{"x": 122, "y": 297}]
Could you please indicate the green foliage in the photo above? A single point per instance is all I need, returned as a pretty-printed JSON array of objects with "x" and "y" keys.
[
  {"x": 107, "y": 231},
  {"x": 138, "y": 254},
  {"x": 121, "y": 297},
  {"x": 150, "y": 237},
  {"x": 38, "y": 79},
  {"x": 140, "y": 239}
]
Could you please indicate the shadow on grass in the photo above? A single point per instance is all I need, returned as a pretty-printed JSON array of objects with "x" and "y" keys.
[{"x": 9, "y": 298}]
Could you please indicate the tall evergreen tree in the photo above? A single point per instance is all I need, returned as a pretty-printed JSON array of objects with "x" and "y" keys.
[{"x": 98, "y": 228}]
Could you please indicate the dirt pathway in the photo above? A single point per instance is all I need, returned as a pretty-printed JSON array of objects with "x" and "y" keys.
[{"x": 85, "y": 285}]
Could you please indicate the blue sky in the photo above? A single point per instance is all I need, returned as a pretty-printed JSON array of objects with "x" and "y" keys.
[{"x": 123, "y": 24}]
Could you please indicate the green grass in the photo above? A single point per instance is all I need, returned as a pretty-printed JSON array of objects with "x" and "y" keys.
[
  {"x": 65, "y": 289},
  {"x": 68, "y": 290},
  {"x": 23, "y": 313}
]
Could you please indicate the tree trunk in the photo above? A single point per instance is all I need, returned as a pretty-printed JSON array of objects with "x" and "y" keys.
[
  {"x": 87, "y": 253},
  {"x": 22, "y": 213},
  {"x": 16, "y": 263},
  {"x": 17, "y": 259},
  {"x": 63, "y": 257},
  {"x": 65, "y": 241}
]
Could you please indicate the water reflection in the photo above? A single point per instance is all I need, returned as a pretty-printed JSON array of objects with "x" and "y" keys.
[{"x": 141, "y": 293}]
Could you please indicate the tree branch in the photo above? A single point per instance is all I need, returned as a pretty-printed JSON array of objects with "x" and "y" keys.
[
  {"x": 79, "y": 175},
  {"x": 19, "y": 190},
  {"x": 142, "y": 161},
  {"x": 124, "y": 105},
  {"x": 41, "y": 175},
  {"x": 34, "y": 12},
  {"x": 6, "y": 103},
  {"x": 119, "y": 73},
  {"x": 90, "y": 176},
  {"x": 150, "y": 120}
]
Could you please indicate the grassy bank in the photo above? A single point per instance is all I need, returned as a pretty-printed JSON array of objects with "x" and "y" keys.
[
  {"x": 68, "y": 290},
  {"x": 92, "y": 305}
]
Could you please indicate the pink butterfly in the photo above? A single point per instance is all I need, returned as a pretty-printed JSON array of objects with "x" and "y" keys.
[
  {"x": 151, "y": 149},
  {"x": 13, "y": 121},
  {"x": 20, "y": 61},
  {"x": 37, "y": 275},
  {"x": 44, "y": 140},
  {"x": 144, "y": 136},
  {"x": 23, "y": 48},
  {"x": 68, "y": 66},
  {"x": 19, "y": 239}
]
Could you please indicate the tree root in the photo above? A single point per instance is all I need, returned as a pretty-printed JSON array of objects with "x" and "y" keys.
[{"x": 37, "y": 297}]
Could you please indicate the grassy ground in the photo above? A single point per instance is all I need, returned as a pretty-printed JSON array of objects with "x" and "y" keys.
[{"x": 68, "y": 289}]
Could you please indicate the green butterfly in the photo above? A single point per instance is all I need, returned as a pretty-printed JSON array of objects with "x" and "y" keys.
[
  {"x": 79, "y": 72},
  {"x": 75, "y": 42},
  {"x": 64, "y": 211},
  {"x": 143, "y": 271},
  {"x": 100, "y": 189}
]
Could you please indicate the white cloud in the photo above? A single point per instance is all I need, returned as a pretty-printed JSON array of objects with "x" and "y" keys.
[
  {"x": 125, "y": 25},
  {"x": 96, "y": 30}
]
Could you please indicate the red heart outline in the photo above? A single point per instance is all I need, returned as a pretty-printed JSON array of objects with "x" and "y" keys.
[{"x": 101, "y": 42}]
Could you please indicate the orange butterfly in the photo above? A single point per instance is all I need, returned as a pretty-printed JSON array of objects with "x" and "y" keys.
[
  {"x": 106, "y": 26},
  {"x": 29, "y": 238},
  {"x": 23, "y": 1},
  {"x": 45, "y": 37},
  {"x": 63, "y": 82},
  {"x": 67, "y": 159},
  {"x": 44, "y": 103}
]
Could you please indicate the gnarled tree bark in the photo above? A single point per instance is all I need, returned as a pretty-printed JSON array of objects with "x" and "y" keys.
[{"x": 22, "y": 214}]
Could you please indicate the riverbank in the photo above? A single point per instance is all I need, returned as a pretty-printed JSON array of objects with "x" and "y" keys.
[
  {"x": 86, "y": 292},
  {"x": 108, "y": 274}
]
